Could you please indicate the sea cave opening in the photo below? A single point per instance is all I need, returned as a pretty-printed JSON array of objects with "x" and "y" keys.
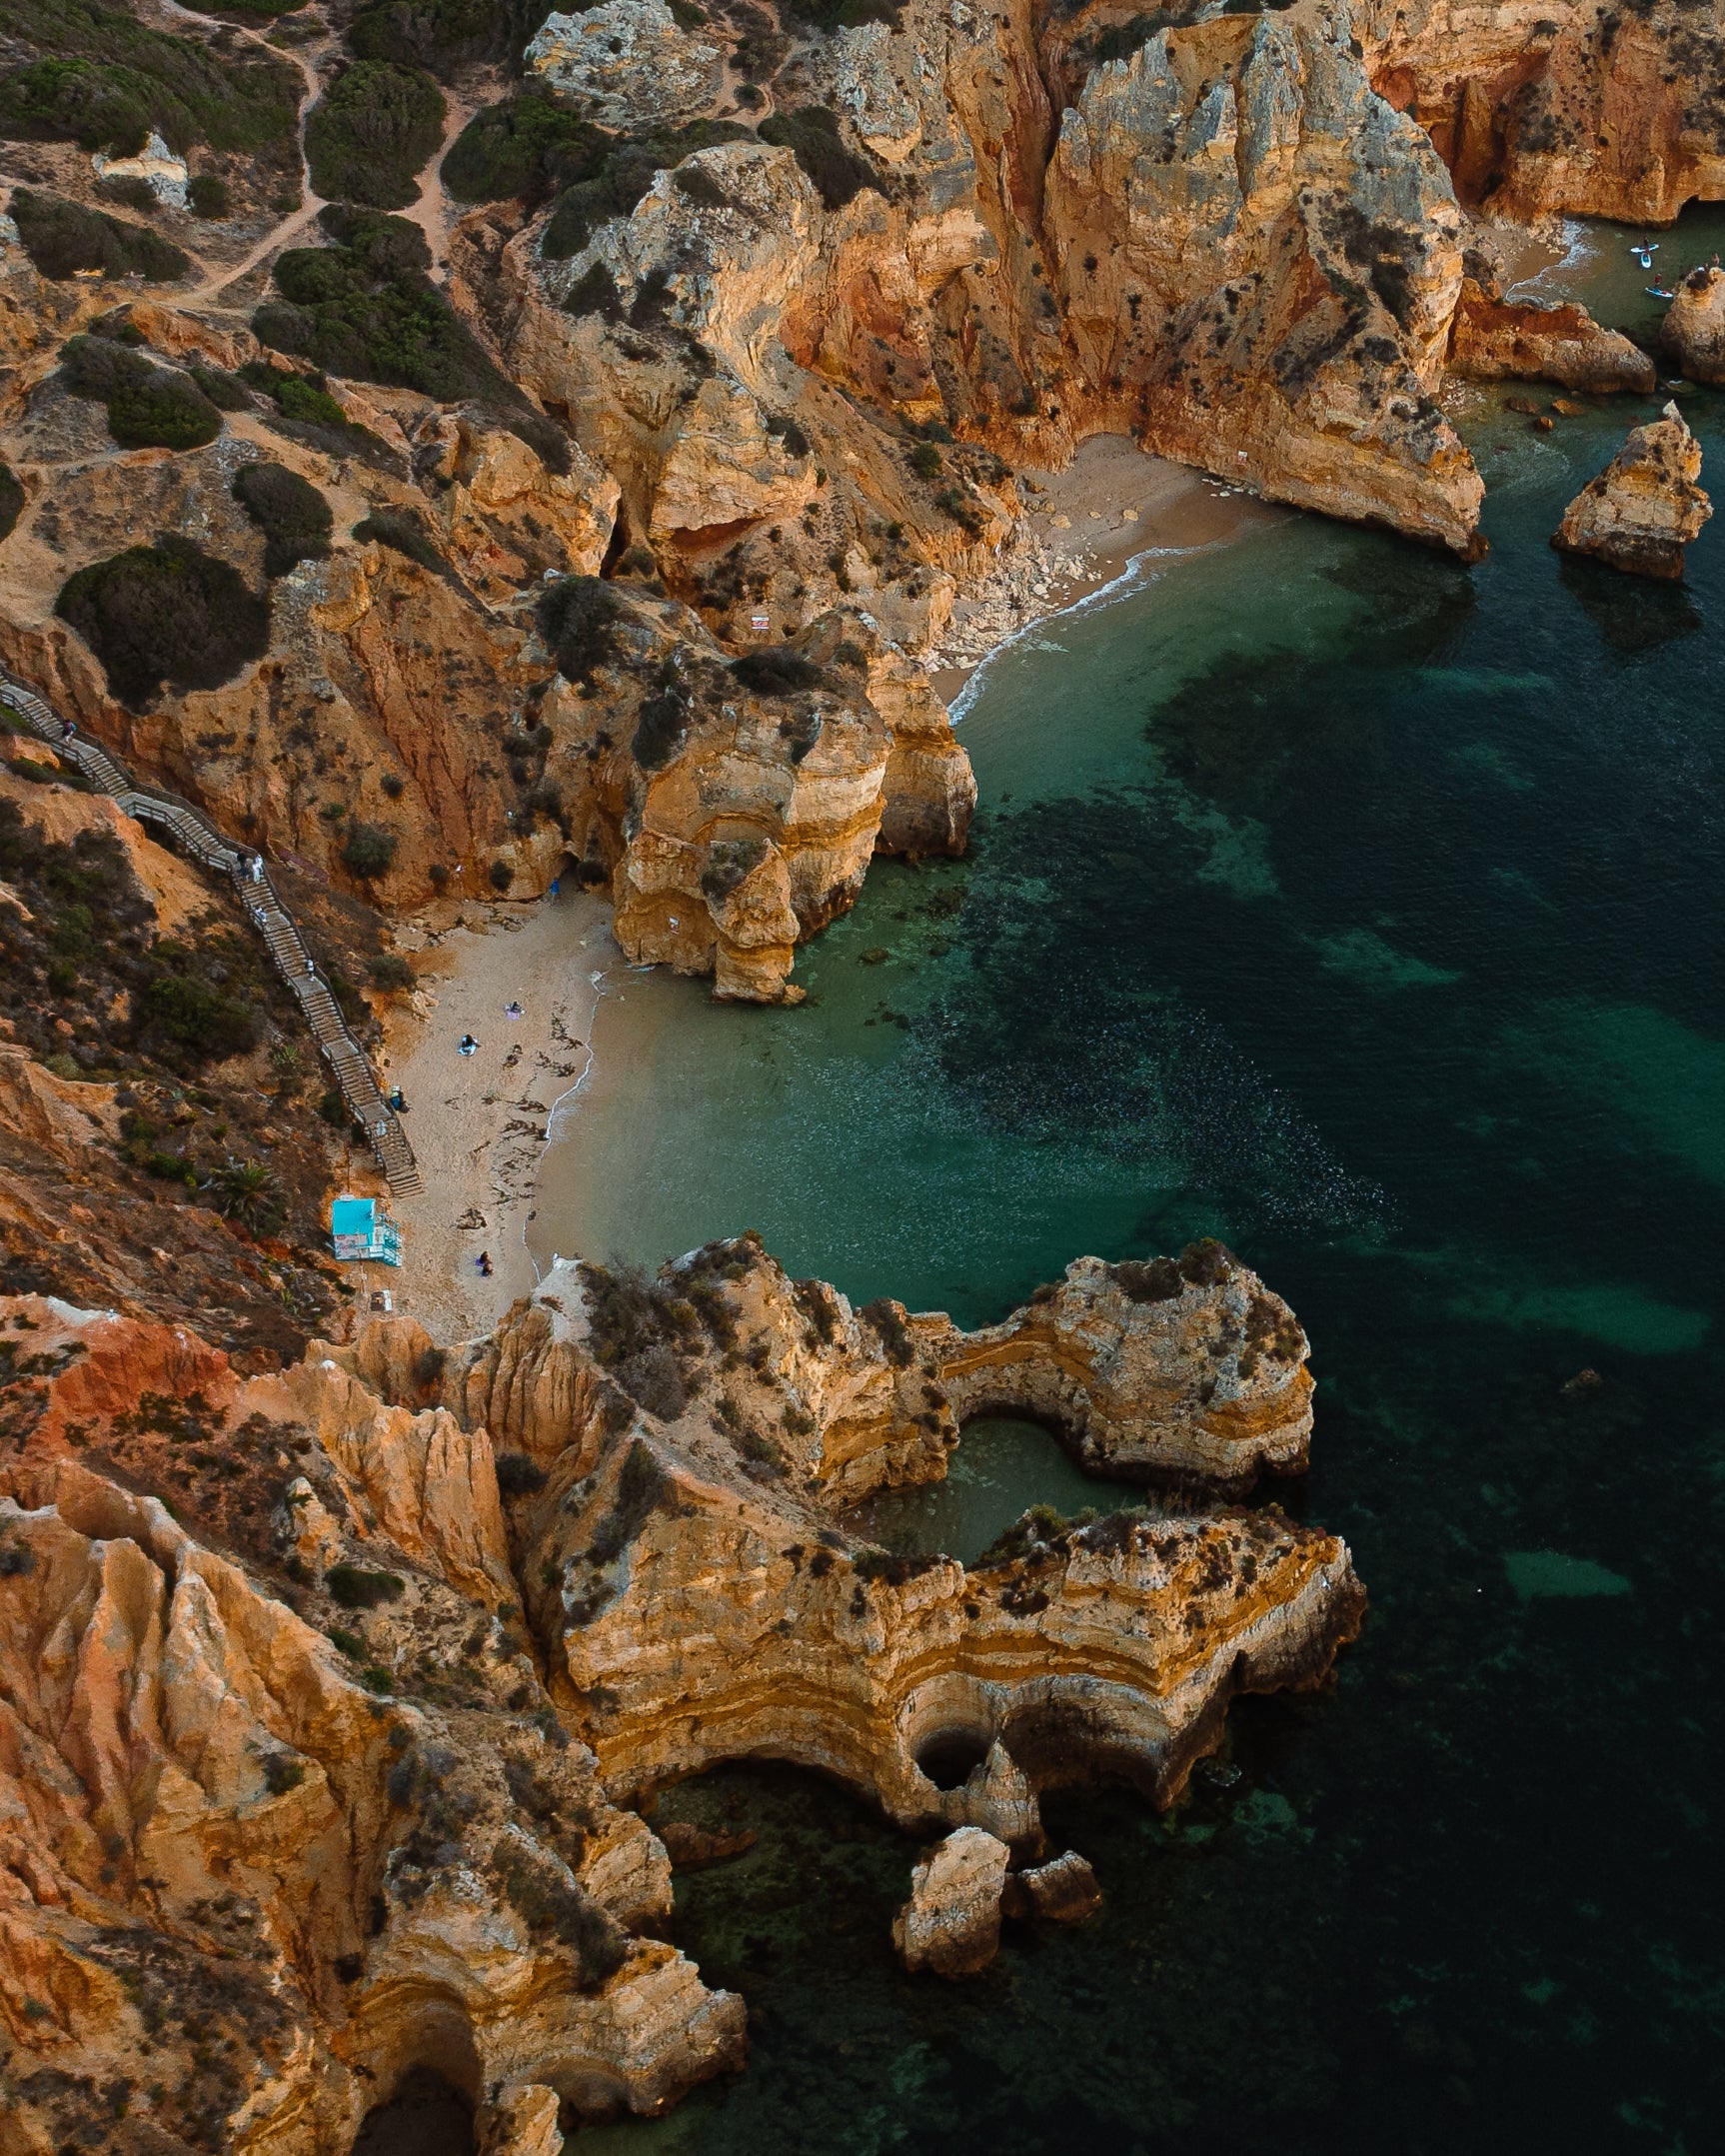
[{"x": 425, "y": 2116}]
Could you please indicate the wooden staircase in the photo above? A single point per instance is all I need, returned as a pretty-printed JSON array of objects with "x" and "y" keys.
[{"x": 198, "y": 836}]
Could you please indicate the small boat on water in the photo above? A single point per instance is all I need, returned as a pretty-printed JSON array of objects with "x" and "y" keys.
[{"x": 1660, "y": 292}]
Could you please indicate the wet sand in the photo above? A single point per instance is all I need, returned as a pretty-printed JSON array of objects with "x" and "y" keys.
[{"x": 1084, "y": 528}]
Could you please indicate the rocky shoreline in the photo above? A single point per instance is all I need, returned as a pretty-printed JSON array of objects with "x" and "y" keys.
[{"x": 343, "y": 1757}]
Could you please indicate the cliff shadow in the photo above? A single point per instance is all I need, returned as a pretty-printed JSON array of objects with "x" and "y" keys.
[{"x": 1631, "y": 614}]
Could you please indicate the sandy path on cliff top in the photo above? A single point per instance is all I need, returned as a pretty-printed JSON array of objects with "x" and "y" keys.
[{"x": 478, "y": 1122}]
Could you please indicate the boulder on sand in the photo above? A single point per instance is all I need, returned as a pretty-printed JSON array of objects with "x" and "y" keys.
[{"x": 1645, "y": 506}]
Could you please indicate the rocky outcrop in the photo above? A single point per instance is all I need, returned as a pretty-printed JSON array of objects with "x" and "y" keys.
[
  {"x": 1063, "y": 1891},
  {"x": 951, "y": 1924},
  {"x": 1645, "y": 508},
  {"x": 626, "y": 64},
  {"x": 1693, "y": 331},
  {"x": 1498, "y": 340},
  {"x": 1266, "y": 256},
  {"x": 342, "y": 1792},
  {"x": 1180, "y": 1368},
  {"x": 1588, "y": 109}
]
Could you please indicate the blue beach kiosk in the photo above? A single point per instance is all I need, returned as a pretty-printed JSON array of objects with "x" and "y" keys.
[{"x": 361, "y": 1230}]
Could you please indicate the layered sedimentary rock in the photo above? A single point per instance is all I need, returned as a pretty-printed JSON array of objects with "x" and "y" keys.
[
  {"x": 249, "y": 1876},
  {"x": 1693, "y": 331},
  {"x": 1266, "y": 255},
  {"x": 736, "y": 809},
  {"x": 1588, "y": 108},
  {"x": 1063, "y": 1891},
  {"x": 314, "y": 1779},
  {"x": 951, "y": 1924},
  {"x": 1646, "y": 506},
  {"x": 1498, "y": 340},
  {"x": 1158, "y": 1372}
]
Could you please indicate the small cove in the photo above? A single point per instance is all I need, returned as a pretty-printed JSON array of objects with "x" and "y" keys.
[{"x": 1365, "y": 911}]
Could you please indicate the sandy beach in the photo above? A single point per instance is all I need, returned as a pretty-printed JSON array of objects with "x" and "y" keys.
[
  {"x": 478, "y": 1122},
  {"x": 1083, "y": 528}
]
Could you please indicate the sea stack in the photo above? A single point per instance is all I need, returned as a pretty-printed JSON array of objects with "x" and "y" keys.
[
  {"x": 1645, "y": 506},
  {"x": 1694, "y": 327}
]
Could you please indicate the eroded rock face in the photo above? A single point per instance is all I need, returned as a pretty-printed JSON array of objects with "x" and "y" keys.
[
  {"x": 626, "y": 64},
  {"x": 951, "y": 1924},
  {"x": 1268, "y": 255},
  {"x": 1645, "y": 508},
  {"x": 1157, "y": 1372},
  {"x": 1693, "y": 331},
  {"x": 345, "y": 1801},
  {"x": 1498, "y": 340},
  {"x": 210, "y": 1813},
  {"x": 1063, "y": 1891},
  {"x": 1588, "y": 108}
]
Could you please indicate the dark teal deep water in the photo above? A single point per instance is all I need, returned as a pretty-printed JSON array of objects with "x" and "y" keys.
[{"x": 1368, "y": 912}]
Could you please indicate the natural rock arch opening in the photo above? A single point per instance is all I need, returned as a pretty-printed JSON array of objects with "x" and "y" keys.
[
  {"x": 425, "y": 2116},
  {"x": 948, "y": 1757}
]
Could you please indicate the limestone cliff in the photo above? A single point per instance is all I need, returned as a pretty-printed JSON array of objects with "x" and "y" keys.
[{"x": 316, "y": 1777}]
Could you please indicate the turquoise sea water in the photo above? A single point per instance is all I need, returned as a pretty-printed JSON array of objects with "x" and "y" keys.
[{"x": 1368, "y": 912}]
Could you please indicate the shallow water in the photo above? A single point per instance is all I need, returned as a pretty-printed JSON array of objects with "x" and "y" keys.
[
  {"x": 1365, "y": 911},
  {"x": 1000, "y": 1467}
]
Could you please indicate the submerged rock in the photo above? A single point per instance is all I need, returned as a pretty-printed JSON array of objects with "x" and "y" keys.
[
  {"x": 951, "y": 1924},
  {"x": 1645, "y": 506}
]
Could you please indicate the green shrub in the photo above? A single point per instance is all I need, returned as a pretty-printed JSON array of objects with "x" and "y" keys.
[
  {"x": 208, "y": 195},
  {"x": 354, "y": 1588},
  {"x": 595, "y": 292},
  {"x": 777, "y": 672},
  {"x": 519, "y": 1476},
  {"x": 104, "y": 81},
  {"x": 442, "y": 35},
  {"x": 223, "y": 390},
  {"x": 550, "y": 1906},
  {"x": 925, "y": 461},
  {"x": 162, "y": 409},
  {"x": 131, "y": 191},
  {"x": 372, "y": 132},
  {"x": 887, "y": 1320},
  {"x": 579, "y": 618},
  {"x": 390, "y": 971},
  {"x": 502, "y": 875},
  {"x": 250, "y": 1192},
  {"x": 847, "y": 14},
  {"x": 62, "y": 237},
  {"x": 203, "y": 1024},
  {"x": 659, "y": 726},
  {"x": 402, "y": 531},
  {"x": 614, "y": 187},
  {"x": 289, "y": 512},
  {"x": 11, "y": 501},
  {"x": 368, "y": 849},
  {"x": 812, "y": 132},
  {"x": 165, "y": 614},
  {"x": 365, "y": 309},
  {"x": 526, "y": 147}
]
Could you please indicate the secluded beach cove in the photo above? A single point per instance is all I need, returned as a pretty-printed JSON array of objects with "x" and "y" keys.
[{"x": 1367, "y": 911}]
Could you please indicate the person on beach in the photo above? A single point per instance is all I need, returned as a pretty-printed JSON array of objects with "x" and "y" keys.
[
  {"x": 512, "y": 1010},
  {"x": 482, "y": 1263},
  {"x": 399, "y": 1100},
  {"x": 467, "y": 1044}
]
